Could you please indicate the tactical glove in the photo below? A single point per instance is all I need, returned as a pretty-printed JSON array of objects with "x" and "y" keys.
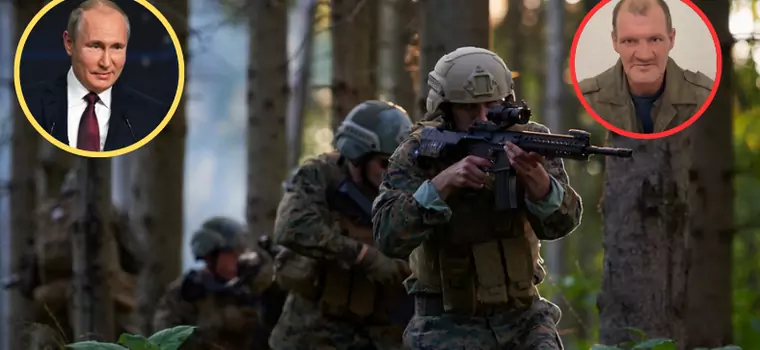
[{"x": 384, "y": 270}]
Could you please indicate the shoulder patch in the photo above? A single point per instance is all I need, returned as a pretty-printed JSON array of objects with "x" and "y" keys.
[
  {"x": 698, "y": 79},
  {"x": 588, "y": 85},
  {"x": 417, "y": 130}
]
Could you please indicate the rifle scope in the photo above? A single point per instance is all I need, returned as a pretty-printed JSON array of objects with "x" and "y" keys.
[{"x": 509, "y": 114}]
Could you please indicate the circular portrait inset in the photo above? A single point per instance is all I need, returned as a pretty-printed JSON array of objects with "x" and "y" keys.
[
  {"x": 99, "y": 78},
  {"x": 645, "y": 68}
]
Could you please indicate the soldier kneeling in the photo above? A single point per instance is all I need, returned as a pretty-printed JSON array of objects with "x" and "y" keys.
[{"x": 222, "y": 299}]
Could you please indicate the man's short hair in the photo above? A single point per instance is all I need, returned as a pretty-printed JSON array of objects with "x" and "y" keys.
[
  {"x": 75, "y": 18},
  {"x": 641, "y": 8}
]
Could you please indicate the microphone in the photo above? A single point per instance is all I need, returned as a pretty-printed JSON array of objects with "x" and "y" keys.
[{"x": 129, "y": 126}]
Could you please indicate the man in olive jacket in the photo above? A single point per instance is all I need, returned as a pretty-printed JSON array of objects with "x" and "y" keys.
[{"x": 646, "y": 91}]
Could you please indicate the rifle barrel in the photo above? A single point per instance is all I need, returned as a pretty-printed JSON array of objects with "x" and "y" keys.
[{"x": 609, "y": 151}]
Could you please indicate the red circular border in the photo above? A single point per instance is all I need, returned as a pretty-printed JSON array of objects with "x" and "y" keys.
[{"x": 606, "y": 124}]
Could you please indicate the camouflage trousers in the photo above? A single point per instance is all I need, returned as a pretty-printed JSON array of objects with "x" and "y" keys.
[
  {"x": 528, "y": 329},
  {"x": 302, "y": 326}
]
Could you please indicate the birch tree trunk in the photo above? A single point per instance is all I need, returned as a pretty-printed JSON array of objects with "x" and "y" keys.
[
  {"x": 157, "y": 194},
  {"x": 267, "y": 101},
  {"x": 394, "y": 34},
  {"x": 300, "y": 81},
  {"x": 353, "y": 55},
  {"x": 553, "y": 116},
  {"x": 645, "y": 207},
  {"x": 94, "y": 254},
  {"x": 708, "y": 320},
  {"x": 446, "y": 25},
  {"x": 24, "y": 142},
  {"x": 553, "y": 98},
  {"x": 121, "y": 170}
]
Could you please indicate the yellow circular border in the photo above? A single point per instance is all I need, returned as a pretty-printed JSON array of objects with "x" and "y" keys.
[{"x": 92, "y": 154}]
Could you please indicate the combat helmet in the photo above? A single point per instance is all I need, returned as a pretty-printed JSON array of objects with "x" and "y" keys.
[
  {"x": 468, "y": 75},
  {"x": 372, "y": 127},
  {"x": 217, "y": 234}
]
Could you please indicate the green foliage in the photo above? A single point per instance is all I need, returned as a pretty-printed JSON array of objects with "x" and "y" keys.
[
  {"x": 172, "y": 338},
  {"x": 651, "y": 344},
  {"x": 167, "y": 339},
  {"x": 746, "y": 262}
]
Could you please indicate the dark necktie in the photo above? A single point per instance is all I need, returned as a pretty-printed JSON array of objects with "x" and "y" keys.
[{"x": 89, "y": 132}]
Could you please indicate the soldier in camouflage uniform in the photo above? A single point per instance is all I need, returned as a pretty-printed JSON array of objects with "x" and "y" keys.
[
  {"x": 343, "y": 292},
  {"x": 45, "y": 271},
  {"x": 222, "y": 299},
  {"x": 474, "y": 271}
]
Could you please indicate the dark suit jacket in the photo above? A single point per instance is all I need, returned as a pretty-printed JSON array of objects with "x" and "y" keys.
[{"x": 133, "y": 115}]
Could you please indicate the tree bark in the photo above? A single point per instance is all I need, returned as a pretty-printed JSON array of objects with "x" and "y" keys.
[
  {"x": 54, "y": 164},
  {"x": 712, "y": 214},
  {"x": 646, "y": 232},
  {"x": 157, "y": 195},
  {"x": 353, "y": 55},
  {"x": 394, "y": 36},
  {"x": 554, "y": 91},
  {"x": 267, "y": 100},
  {"x": 24, "y": 142},
  {"x": 301, "y": 81},
  {"x": 590, "y": 4},
  {"x": 94, "y": 251},
  {"x": 553, "y": 96},
  {"x": 514, "y": 31},
  {"x": 445, "y": 25}
]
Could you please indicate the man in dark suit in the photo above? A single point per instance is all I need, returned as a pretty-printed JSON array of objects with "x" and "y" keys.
[{"x": 87, "y": 108}]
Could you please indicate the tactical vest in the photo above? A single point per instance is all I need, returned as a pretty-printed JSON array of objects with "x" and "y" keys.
[
  {"x": 339, "y": 292},
  {"x": 481, "y": 257},
  {"x": 221, "y": 315},
  {"x": 223, "y": 321},
  {"x": 53, "y": 251}
]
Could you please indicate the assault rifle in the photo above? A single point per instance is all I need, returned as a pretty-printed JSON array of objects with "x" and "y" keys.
[
  {"x": 487, "y": 140},
  {"x": 198, "y": 284}
]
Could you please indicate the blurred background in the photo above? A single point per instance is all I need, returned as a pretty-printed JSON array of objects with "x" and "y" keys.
[{"x": 238, "y": 130}]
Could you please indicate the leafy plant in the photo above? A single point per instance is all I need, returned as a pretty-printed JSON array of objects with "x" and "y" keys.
[
  {"x": 651, "y": 344},
  {"x": 167, "y": 339}
]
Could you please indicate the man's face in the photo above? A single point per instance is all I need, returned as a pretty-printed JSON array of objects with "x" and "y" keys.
[
  {"x": 99, "y": 50},
  {"x": 643, "y": 43},
  {"x": 226, "y": 264},
  {"x": 375, "y": 169},
  {"x": 465, "y": 114}
]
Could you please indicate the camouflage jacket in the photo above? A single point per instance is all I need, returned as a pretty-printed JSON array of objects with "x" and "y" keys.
[
  {"x": 45, "y": 265},
  {"x": 685, "y": 93},
  {"x": 304, "y": 223},
  {"x": 224, "y": 321},
  {"x": 402, "y": 223}
]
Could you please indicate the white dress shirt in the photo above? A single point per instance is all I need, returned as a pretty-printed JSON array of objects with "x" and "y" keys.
[{"x": 75, "y": 93}]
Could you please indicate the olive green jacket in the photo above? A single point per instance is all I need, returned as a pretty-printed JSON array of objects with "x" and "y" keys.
[{"x": 685, "y": 92}]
